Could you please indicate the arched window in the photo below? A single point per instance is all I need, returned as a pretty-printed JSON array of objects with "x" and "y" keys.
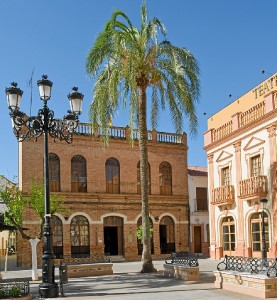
[
  {"x": 54, "y": 172},
  {"x": 78, "y": 174},
  {"x": 165, "y": 174},
  {"x": 112, "y": 176},
  {"x": 57, "y": 229},
  {"x": 138, "y": 179},
  {"x": 256, "y": 233},
  {"x": 79, "y": 235}
]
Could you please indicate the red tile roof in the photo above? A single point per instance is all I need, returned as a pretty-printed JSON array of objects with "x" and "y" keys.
[{"x": 197, "y": 171}]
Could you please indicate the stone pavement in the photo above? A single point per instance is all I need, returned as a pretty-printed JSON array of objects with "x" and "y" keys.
[{"x": 127, "y": 283}]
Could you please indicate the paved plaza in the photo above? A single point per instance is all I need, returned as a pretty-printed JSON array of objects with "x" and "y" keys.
[{"x": 127, "y": 283}]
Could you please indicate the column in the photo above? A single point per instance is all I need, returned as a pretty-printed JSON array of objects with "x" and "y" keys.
[
  {"x": 240, "y": 249},
  {"x": 273, "y": 170},
  {"x": 213, "y": 245}
]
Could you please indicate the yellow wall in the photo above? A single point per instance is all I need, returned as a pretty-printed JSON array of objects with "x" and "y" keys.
[{"x": 243, "y": 103}]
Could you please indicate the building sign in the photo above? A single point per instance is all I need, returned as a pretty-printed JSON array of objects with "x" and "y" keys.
[{"x": 265, "y": 87}]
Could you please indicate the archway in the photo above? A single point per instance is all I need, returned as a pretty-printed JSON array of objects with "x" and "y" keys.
[{"x": 167, "y": 235}]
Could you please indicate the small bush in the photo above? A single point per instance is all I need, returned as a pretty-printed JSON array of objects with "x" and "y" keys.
[
  {"x": 15, "y": 291},
  {"x": 2, "y": 292}
]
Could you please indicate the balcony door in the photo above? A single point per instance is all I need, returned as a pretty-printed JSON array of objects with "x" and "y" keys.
[{"x": 228, "y": 236}]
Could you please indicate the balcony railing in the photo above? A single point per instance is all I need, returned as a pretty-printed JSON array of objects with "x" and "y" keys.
[
  {"x": 222, "y": 131},
  {"x": 252, "y": 114},
  {"x": 239, "y": 120},
  {"x": 224, "y": 195},
  {"x": 253, "y": 187},
  {"x": 123, "y": 133}
]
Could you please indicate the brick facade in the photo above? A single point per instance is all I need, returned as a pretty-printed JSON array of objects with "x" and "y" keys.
[{"x": 96, "y": 205}]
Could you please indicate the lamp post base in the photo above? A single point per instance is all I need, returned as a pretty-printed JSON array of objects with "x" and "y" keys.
[{"x": 47, "y": 290}]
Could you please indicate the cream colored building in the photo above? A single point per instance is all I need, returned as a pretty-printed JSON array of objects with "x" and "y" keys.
[
  {"x": 199, "y": 213},
  {"x": 242, "y": 153}
]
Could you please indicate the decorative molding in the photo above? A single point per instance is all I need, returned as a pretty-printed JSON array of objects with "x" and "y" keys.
[
  {"x": 223, "y": 156},
  {"x": 210, "y": 158},
  {"x": 272, "y": 131},
  {"x": 242, "y": 130},
  {"x": 253, "y": 142},
  {"x": 237, "y": 146}
]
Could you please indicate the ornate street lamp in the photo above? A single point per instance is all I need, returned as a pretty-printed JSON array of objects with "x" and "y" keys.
[
  {"x": 264, "y": 250},
  {"x": 26, "y": 128}
]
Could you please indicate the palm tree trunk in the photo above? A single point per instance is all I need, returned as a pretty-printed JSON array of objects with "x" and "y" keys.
[{"x": 147, "y": 265}]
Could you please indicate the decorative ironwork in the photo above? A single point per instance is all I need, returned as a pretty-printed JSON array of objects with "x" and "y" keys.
[
  {"x": 26, "y": 128},
  {"x": 250, "y": 265},
  {"x": 182, "y": 258},
  {"x": 14, "y": 289},
  {"x": 86, "y": 259}
]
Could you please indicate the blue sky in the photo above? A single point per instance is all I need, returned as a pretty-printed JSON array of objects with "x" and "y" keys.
[{"x": 232, "y": 41}]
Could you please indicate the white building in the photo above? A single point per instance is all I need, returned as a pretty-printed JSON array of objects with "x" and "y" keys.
[
  {"x": 242, "y": 153},
  {"x": 199, "y": 215}
]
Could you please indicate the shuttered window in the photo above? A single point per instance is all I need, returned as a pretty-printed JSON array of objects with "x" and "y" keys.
[
  {"x": 78, "y": 174},
  {"x": 112, "y": 176},
  {"x": 54, "y": 172},
  {"x": 201, "y": 199}
]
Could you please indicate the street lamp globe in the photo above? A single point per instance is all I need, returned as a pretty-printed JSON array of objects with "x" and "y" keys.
[
  {"x": 75, "y": 100},
  {"x": 14, "y": 95},
  {"x": 45, "y": 87}
]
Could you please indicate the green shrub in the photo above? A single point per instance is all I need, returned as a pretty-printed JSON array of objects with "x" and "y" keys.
[
  {"x": 15, "y": 291},
  {"x": 2, "y": 292}
]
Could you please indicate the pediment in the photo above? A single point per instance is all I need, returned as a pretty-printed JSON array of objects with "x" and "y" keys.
[
  {"x": 224, "y": 155},
  {"x": 252, "y": 143}
]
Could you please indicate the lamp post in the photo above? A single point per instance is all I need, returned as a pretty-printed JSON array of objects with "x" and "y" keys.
[
  {"x": 264, "y": 252},
  {"x": 26, "y": 128}
]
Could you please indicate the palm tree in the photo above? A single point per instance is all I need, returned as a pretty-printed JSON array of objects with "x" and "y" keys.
[{"x": 126, "y": 61}]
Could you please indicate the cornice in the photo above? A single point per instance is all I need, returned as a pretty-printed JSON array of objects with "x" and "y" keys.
[{"x": 243, "y": 130}]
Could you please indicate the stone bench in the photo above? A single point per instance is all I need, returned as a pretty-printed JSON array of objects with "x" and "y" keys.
[
  {"x": 183, "y": 266},
  {"x": 249, "y": 276},
  {"x": 92, "y": 265}
]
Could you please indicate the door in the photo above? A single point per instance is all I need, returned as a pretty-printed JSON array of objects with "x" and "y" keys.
[
  {"x": 111, "y": 240},
  {"x": 229, "y": 236},
  {"x": 197, "y": 239}
]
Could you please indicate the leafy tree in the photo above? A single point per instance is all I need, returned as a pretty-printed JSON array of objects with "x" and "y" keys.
[
  {"x": 16, "y": 202},
  {"x": 126, "y": 61},
  {"x": 140, "y": 231}
]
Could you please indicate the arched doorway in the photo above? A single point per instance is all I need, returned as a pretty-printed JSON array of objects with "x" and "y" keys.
[
  {"x": 57, "y": 229},
  {"x": 167, "y": 235},
  {"x": 139, "y": 244},
  {"x": 228, "y": 236},
  {"x": 113, "y": 235}
]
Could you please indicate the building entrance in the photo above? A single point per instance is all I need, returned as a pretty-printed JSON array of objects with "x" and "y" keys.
[
  {"x": 113, "y": 235},
  {"x": 197, "y": 239},
  {"x": 111, "y": 240}
]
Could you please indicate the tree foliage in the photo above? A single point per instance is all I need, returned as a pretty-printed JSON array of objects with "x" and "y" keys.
[
  {"x": 126, "y": 61},
  {"x": 17, "y": 202}
]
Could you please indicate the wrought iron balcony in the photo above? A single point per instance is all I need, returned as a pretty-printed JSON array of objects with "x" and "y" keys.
[
  {"x": 224, "y": 195},
  {"x": 253, "y": 187}
]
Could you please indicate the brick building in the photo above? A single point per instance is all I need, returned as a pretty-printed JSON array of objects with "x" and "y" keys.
[{"x": 101, "y": 189}]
